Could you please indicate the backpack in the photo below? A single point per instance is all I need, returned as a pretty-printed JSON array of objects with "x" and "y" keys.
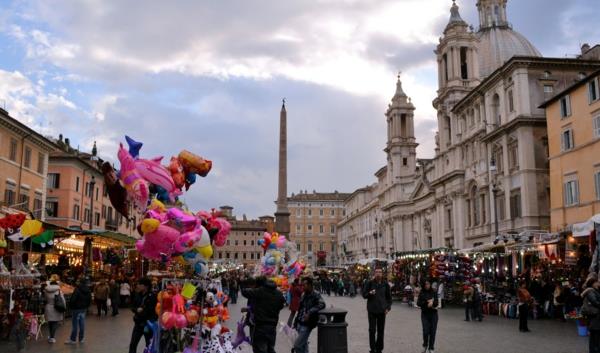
[
  {"x": 587, "y": 309},
  {"x": 59, "y": 303}
]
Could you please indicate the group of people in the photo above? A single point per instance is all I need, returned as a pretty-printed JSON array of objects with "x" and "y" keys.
[{"x": 338, "y": 285}]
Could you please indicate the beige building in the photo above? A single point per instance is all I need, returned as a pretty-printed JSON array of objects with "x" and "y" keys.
[
  {"x": 70, "y": 193},
  {"x": 313, "y": 225},
  {"x": 23, "y": 166},
  {"x": 574, "y": 143},
  {"x": 242, "y": 244},
  {"x": 491, "y": 154}
]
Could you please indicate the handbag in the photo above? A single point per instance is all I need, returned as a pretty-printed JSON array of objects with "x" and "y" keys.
[
  {"x": 59, "y": 303},
  {"x": 588, "y": 310},
  {"x": 108, "y": 303}
]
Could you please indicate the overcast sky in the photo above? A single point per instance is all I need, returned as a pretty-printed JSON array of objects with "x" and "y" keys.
[{"x": 208, "y": 76}]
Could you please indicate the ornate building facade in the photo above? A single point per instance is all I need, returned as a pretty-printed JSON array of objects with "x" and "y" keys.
[{"x": 490, "y": 173}]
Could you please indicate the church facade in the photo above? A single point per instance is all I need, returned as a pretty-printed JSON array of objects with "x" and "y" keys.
[{"x": 490, "y": 173}]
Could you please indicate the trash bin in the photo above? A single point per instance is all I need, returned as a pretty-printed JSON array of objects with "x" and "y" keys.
[{"x": 332, "y": 332}]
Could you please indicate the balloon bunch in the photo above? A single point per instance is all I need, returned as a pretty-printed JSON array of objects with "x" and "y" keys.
[
  {"x": 173, "y": 232},
  {"x": 19, "y": 229},
  {"x": 175, "y": 310},
  {"x": 280, "y": 258},
  {"x": 139, "y": 179}
]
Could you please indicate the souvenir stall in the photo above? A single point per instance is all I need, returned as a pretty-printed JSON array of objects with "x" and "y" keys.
[{"x": 444, "y": 266}]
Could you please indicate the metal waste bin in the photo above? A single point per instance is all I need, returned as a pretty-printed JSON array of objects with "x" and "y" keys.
[{"x": 333, "y": 337}]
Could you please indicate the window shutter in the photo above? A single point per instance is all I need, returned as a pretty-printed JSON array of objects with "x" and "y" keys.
[
  {"x": 565, "y": 194},
  {"x": 576, "y": 192},
  {"x": 562, "y": 141},
  {"x": 597, "y": 180}
]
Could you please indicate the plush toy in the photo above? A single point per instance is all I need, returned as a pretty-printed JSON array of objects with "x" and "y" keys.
[{"x": 159, "y": 243}]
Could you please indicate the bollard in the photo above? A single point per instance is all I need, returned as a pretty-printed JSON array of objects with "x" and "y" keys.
[{"x": 333, "y": 337}]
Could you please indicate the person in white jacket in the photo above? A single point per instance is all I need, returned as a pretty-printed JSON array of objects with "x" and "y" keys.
[
  {"x": 125, "y": 293},
  {"x": 53, "y": 316}
]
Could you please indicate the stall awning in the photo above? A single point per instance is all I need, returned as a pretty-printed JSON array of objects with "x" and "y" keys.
[{"x": 582, "y": 229}]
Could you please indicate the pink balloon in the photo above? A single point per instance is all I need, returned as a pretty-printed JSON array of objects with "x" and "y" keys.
[
  {"x": 158, "y": 243},
  {"x": 181, "y": 220},
  {"x": 136, "y": 186},
  {"x": 180, "y": 321},
  {"x": 156, "y": 174}
]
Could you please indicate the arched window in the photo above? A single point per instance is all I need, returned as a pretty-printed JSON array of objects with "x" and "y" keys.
[{"x": 496, "y": 117}]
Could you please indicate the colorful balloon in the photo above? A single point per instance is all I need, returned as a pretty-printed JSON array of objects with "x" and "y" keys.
[
  {"x": 194, "y": 163},
  {"x": 156, "y": 174},
  {"x": 116, "y": 192},
  {"x": 176, "y": 171},
  {"x": 134, "y": 146},
  {"x": 136, "y": 186}
]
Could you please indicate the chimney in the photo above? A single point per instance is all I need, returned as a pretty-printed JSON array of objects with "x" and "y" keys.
[
  {"x": 60, "y": 138},
  {"x": 68, "y": 143}
]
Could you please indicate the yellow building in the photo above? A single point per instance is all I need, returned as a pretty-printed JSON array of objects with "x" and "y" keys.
[
  {"x": 313, "y": 225},
  {"x": 23, "y": 166},
  {"x": 574, "y": 148},
  {"x": 242, "y": 244}
]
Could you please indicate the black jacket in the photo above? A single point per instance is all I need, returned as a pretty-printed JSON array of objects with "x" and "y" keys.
[
  {"x": 148, "y": 304},
  {"x": 379, "y": 302},
  {"x": 81, "y": 297},
  {"x": 593, "y": 296},
  {"x": 267, "y": 301},
  {"x": 424, "y": 296},
  {"x": 310, "y": 304}
]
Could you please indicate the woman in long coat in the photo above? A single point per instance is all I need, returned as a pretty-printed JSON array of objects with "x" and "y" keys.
[{"x": 53, "y": 316}]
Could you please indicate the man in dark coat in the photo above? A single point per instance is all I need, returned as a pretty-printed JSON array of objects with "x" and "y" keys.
[
  {"x": 79, "y": 303},
  {"x": 267, "y": 301},
  {"x": 308, "y": 315},
  {"x": 143, "y": 307},
  {"x": 379, "y": 303}
]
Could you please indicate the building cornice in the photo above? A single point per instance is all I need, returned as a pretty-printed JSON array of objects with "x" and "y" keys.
[
  {"x": 521, "y": 120},
  {"x": 22, "y": 130}
]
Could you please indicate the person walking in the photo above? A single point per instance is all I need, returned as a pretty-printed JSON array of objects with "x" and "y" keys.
[
  {"x": 79, "y": 303},
  {"x": 591, "y": 308},
  {"x": 53, "y": 316},
  {"x": 233, "y": 290},
  {"x": 379, "y": 303},
  {"x": 101, "y": 292},
  {"x": 440, "y": 294},
  {"x": 477, "y": 304},
  {"x": 524, "y": 301},
  {"x": 143, "y": 307},
  {"x": 124, "y": 293},
  {"x": 308, "y": 315},
  {"x": 295, "y": 294},
  {"x": 267, "y": 301},
  {"x": 428, "y": 302},
  {"x": 115, "y": 297},
  {"x": 559, "y": 302}
]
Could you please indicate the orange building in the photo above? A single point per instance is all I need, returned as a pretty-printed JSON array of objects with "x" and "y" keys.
[
  {"x": 574, "y": 148},
  {"x": 23, "y": 165},
  {"x": 70, "y": 195},
  {"x": 313, "y": 225}
]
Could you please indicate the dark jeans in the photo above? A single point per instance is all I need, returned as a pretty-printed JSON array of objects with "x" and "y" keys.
[
  {"x": 469, "y": 311},
  {"x": 115, "y": 307},
  {"x": 477, "y": 311},
  {"x": 594, "y": 341},
  {"x": 124, "y": 301},
  {"x": 52, "y": 326},
  {"x": 101, "y": 306},
  {"x": 233, "y": 294},
  {"x": 429, "y": 322},
  {"x": 136, "y": 336},
  {"x": 376, "y": 325},
  {"x": 263, "y": 340},
  {"x": 523, "y": 314},
  {"x": 78, "y": 324}
]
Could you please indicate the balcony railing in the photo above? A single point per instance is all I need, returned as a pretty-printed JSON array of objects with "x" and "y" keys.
[{"x": 112, "y": 225}]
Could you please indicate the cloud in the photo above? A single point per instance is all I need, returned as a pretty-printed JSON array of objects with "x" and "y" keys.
[{"x": 209, "y": 76}]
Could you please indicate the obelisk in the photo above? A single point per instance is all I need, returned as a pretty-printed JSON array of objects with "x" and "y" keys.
[{"x": 282, "y": 215}]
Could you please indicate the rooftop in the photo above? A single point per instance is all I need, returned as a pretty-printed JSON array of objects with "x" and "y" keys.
[{"x": 319, "y": 196}]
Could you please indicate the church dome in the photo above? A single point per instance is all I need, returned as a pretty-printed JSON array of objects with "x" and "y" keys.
[
  {"x": 498, "y": 44},
  {"x": 497, "y": 40}
]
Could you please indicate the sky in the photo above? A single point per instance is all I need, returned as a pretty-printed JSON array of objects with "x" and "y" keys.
[{"x": 208, "y": 76}]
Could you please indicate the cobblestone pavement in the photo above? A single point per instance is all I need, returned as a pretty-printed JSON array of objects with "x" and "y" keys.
[{"x": 403, "y": 333}]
